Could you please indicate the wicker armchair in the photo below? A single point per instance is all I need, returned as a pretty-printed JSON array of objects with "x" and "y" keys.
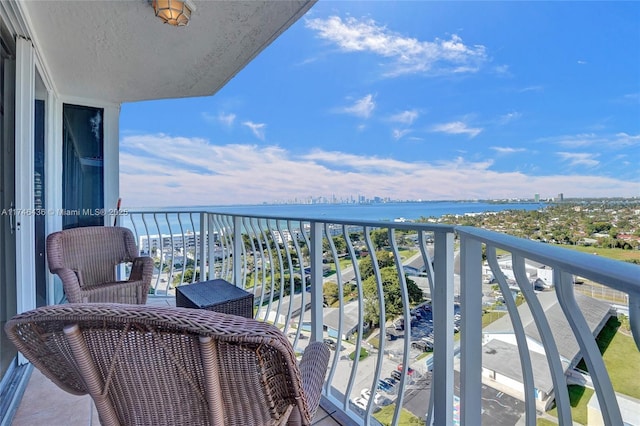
[
  {"x": 156, "y": 365},
  {"x": 85, "y": 259}
]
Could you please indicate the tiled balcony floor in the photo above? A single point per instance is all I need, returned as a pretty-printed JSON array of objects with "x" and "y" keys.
[{"x": 44, "y": 403}]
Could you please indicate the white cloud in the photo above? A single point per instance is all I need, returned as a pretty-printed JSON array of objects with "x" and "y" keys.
[
  {"x": 457, "y": 127},
  {"x": 398, "y": 134},
  {"x": 256, "y": 128},
  {"x": 580, "y": 62},
  {"x": 624, "y": 140},
  {"x": 509, "y": 117},
  {"x": 575, "y": 141},
  {"x": 226, "y": 119},
  {"x": 531, "y": 89},
  {"x": 618, "y": 141},
  {"x": 579, "y": 158},
  {"x": 406, "y": 55},
  {"x": 222, "y": 118},
  {"x": 185, "y": 172},
  {"x": 405, "y": 117},
  {"x": 362, "y": 108},
  {"x": 507, "y": 150},
  {"x": 503, "y": 70}
]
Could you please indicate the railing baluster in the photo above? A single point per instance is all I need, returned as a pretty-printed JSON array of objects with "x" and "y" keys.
[
  {"x": 356, "y": 358},
  {"x": 471, "y": 330},
  {"x": 551, "y": 349},
  {"x": 199, "y": 258},
  {"x": 442, "y": 297},
  {"x": 220, "y": 267},
  {"x": 291, "y": 280},
  {"x": 521, "y": 337},
  {"x": 591, "y": 353},
  {"x": 407, "y": 324},
  {"x": 268, "y": 238},
  {"x": 281, "y": 264},
  {"x": 334, "y": 255},
  {"x": 426, "y": 259},
  {"x": 300, "y": 257},
  {"x": 634, "y": 316},
  {"x": 316, "y": 281}
]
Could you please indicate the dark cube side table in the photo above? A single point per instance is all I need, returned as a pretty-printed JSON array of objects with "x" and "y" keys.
[{"x": 216, "y": 295}]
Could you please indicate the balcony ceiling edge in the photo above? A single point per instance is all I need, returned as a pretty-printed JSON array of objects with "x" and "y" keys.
[{"x": 120, "y": 52}]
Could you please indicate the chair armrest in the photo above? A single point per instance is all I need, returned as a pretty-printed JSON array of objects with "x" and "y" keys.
[
  {"x": 313, "y": 369},
  {"x": 71, "y": 282},
  {"x": 69, "y": 276},
  {"x": 141, "y": 269}
]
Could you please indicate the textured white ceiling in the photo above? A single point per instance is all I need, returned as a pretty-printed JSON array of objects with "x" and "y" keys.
[{"x": 118, "y": 51}]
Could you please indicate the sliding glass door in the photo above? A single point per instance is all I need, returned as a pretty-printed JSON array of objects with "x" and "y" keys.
[{"x": 8, "y": 285}]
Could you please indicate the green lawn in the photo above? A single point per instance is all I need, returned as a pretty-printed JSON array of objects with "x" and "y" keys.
[
  {"x": 491, "y": 316},
  {"x": 385, "y": 415},
  {"x": 621, "y": 357},
  {"x": 363, "y": 354},
  {"x": 617, "y": 254},
  {"x": 579, "y": 397}
]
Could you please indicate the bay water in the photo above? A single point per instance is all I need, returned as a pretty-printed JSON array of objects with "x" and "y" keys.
[
  {"x": 374, "y": 211},
  {"x": 406, "y": 211}
]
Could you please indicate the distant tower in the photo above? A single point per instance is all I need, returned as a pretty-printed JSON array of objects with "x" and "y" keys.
[
  {"x": 560, "y": 197},
  {"x": 536, "y": 197}
]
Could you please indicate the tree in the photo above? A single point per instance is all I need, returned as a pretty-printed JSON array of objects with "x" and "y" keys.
[
  {"x": 380, "y": 238},
  {"x": 392, "y": 295},
  {"x": 384, "y": 258},
  {"x": 331, "y": 292},
  {"x": 339, "y": 243},
  {"x": 598, "y": 227},
  {"x": 186, "y": 278}
]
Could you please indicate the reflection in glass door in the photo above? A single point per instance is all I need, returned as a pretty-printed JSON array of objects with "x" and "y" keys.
[
  {"x": 82, "y": 166},
  {"x": 39, "y": 205}
]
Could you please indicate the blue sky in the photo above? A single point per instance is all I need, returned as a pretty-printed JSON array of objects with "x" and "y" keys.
[{"x": 407, "y": 100}]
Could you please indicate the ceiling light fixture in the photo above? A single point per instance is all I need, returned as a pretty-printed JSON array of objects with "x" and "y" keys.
[{"x": 173, "y": 12}]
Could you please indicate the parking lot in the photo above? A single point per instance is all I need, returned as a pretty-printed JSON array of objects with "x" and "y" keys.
[{"x": 421, "y": 332}]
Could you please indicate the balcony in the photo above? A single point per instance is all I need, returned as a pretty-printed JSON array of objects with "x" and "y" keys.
[{"x": 392, "y": 292}]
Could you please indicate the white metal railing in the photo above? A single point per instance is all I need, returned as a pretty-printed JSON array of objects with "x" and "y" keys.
[
  {"x": 566, "y": 265},
  {"x": 284, "y": 262}
]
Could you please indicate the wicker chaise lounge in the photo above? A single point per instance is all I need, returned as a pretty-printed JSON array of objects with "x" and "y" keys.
[
  {"x": 148, "y": 365},
  {"x": 85, "y": 259}
]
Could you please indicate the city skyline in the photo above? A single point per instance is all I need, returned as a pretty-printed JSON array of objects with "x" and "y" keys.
[{"x": 406, "y": 100}]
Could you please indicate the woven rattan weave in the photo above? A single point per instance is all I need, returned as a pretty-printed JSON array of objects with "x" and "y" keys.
[
  {"x": 151, "y": 365},
  {"x": 86, "y": 258}
]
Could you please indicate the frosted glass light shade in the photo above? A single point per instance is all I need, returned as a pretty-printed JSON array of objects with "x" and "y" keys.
[{"x": 173, "y": 12}]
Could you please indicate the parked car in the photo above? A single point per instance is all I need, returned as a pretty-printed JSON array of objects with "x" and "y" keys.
[
  {"x": 330, "y": 343},
  {"x": 390, "y": 381},
  {"x": 420, "y": 345},
  {"x": 378, "y": 398},
  {"x": 396, "y": 374},
  {"x": 384, "y": 386},
  {"x": 360, "y": 403},
  {"x": 425, "y": 344},
  {"x": 399, "y": 324},
  {"x": 409, "y": 369}
]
